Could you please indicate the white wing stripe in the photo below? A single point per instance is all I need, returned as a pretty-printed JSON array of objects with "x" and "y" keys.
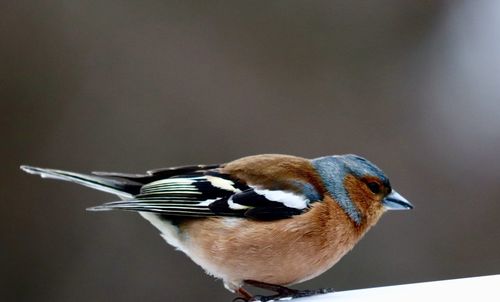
[
  {"x": 236, "y": 206},
  {"x": 222, "y": 183},
  {"x": 289, "y": 199}
]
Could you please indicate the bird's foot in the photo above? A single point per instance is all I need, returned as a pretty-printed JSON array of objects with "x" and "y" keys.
[
  {"x": 283, "y": 293},
  {"x": 291, "y": 295}
]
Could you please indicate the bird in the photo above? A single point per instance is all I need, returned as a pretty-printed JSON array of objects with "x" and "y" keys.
[{"x": 267, "y": 221}]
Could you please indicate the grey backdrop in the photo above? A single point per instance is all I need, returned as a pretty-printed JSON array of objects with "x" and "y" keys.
[{"x": 132, "y": 85}]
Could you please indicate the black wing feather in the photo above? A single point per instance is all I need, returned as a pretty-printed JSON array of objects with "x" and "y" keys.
[
  {"x": 272, "y": 213},
  {"x": 202, "y": 194},
  {"x": 158, "y": 174}
]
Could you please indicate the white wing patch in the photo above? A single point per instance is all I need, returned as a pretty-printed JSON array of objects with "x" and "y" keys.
[
  {"x": 174, "y": 181},
  {"x": 222, "y": 183},
  {"x": 207, "y": 202},
  {"x": 235, "y": 206},
  {"x": 289, "y": 199}
]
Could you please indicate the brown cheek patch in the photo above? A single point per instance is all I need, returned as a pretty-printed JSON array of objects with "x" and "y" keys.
[{"x": 366, "y": 202}]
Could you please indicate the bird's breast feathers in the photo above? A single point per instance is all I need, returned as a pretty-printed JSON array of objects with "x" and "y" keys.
[{"x": 284, "y": 251}]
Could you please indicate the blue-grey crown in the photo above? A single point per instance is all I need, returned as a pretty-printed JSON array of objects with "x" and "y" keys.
[{"x": 334, "y": 169}]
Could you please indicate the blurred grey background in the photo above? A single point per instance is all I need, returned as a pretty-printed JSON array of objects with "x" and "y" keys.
[{"x": 133, "y": 85}]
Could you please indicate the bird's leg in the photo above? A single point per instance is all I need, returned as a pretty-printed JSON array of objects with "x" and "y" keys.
[
  {"x": 283, "y": 292},
  {"x": 244, "y": 295}
]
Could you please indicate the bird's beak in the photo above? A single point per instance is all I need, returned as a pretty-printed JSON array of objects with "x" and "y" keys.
[{"x": 394, "y": 201}]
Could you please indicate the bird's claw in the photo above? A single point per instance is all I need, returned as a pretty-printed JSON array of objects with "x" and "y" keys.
[{"x": 291, "y": 294}]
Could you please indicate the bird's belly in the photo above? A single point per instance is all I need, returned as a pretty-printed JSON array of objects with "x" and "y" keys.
[{"x": 279, "y": 252}]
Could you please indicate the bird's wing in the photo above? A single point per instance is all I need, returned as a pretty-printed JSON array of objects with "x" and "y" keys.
[
  {"x": 209, "y": 193},
  {"x": 158, "y": 174}
]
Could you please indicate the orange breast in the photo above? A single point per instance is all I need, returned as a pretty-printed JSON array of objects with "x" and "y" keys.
[{"x": 280, "y": 252}]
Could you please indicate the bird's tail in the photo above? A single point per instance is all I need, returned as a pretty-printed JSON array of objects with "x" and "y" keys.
[{"x": 123, "y": 187}]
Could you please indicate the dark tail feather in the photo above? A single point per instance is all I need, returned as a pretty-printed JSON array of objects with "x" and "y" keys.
[{"x": 122, "y": 187}]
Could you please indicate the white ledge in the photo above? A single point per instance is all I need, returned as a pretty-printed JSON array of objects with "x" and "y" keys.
[{"x": 486, "y": 288}]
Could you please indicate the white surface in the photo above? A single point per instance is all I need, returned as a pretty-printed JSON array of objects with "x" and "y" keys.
[{"x": 486, "y": 288}]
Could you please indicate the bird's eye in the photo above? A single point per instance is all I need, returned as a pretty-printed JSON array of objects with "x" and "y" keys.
[{"x": 374, "y": 187}]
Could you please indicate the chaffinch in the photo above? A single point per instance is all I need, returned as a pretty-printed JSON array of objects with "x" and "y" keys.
[{"x": 265, "y": 220}]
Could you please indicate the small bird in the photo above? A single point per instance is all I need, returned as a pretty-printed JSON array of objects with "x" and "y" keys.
[{"x": 267, "y": 220}]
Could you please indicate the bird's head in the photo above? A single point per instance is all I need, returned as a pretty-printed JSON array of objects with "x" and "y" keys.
[{"x": 361, "y": 189}]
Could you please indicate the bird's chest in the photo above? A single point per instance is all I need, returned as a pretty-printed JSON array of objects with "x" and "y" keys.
[{"x": 279, "y": 252}]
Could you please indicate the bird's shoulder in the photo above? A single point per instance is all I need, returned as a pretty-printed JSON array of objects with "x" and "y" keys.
[{"x": 275, "y": 171}]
